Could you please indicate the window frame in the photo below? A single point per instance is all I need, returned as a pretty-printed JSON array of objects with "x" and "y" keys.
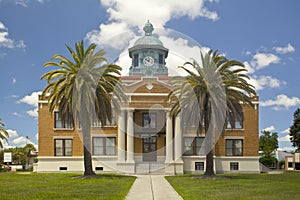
[
  {"x": 234, "y": 147},
  {"x": 136, "y": 60},
  {"x": 151, "y": 116},
  {"x": 65, "y": 124},
  {"x": 160, "y": 59},
  {"x": 237, "y": 124},
  {"x": 113, "y": 122},
  {"x": 193, "y": 146},
  {"x": 63, "y": 148},
  {"x": 104, "y": 146},
  {"x": 234, "y": 166},
  {"x": 199, "y": 166}
]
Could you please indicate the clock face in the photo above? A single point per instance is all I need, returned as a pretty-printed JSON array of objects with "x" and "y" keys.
[{"x": 148, "y": 61}]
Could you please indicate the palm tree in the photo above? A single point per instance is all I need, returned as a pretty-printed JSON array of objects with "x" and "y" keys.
[
  {"x": 85, "y": 89},
  {"x": 211, "y": 95},
  {"x": 3, "y": 133}
]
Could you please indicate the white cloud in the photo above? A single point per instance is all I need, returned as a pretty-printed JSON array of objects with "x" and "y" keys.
[
  {"x": 19, "y": 141},
  {"x": 261, "y": 82},
  {"x": 286, "y": 131},
  {"x": 24, "y": 3},
  {"x": 287, "y": 149},
  {"x": 262, "y": 60},
  {"x": 281, "y": 102},
  {"x": 283, "y": 50},
  {"x": 157, "y": 11},
  {"x": 123, "y": 20},
  {"x": 269, "y": 128},
  {"x": 284, "y": 139},
  {"x": 17, "y": 114},
  {"x": 12, "y": 133},
  {"x": 13, "y": 81},
  {"x": 31, "y": 100},
  {"x": 249, "y": 68},
  {"x": 7, "y": 42},
  {"x": 33, "y": 112},
  {"x": 116, "y": 35},
  {"x": 13, "y": 96}
]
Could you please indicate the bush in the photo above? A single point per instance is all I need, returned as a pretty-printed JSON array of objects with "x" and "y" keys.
[{"x": 267, "y": 161}]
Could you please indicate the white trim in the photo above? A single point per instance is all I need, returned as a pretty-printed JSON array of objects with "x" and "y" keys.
[
  {"x": 103, "y": 135},
  {"x": 146, "y": 94},
  {"x": 234, "y": 137},
  {"x": 63, "y": 137},
  {"x": 193, "y": 135},
  {"x": 42, "y": 101},
  {"x": 237, "y": 157},
  {"x": 63, "y": 129},
  {"x": 234, "y": 129}
]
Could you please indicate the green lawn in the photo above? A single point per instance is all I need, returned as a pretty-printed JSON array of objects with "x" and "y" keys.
[
  {"x": 244, "y": 186},
  {"x": 63, "y": 186}
]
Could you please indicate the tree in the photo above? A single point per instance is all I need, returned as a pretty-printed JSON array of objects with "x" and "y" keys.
[
  {"x": 3, "y": 133},
  {"x": 20, "y": 155},
  {"x": 268, "y": 143},
  {"x": 295, "y": 130},
  {"x": 210, "y": 96},
  {"x": 85, "y": 89}
]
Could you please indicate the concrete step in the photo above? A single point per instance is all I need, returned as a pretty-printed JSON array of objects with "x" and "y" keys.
[{"x": 150, "y": 168}]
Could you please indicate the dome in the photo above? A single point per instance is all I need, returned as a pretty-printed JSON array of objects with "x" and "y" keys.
[{"x": 148, "y": 40}]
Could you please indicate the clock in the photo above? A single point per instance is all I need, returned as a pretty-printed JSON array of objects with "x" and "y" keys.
[{"x": 148, "y": 61}]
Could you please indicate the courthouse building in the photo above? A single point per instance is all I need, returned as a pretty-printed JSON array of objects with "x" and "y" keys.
[{"x": 143, "y": 138}]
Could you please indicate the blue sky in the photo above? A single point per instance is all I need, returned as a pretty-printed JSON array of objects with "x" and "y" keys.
[{"x": 262, "y": 34}]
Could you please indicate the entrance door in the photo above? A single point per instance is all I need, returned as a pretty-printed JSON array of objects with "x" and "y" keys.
[{"x": 149, "y": 149}]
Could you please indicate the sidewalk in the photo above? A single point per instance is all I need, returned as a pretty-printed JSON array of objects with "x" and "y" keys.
[{"x": 152, "y": 187}]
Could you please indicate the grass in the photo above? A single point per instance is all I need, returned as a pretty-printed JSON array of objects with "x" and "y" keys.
[
  {"x": 63, "y": 186},
  {"x": 240, "y": 186}
]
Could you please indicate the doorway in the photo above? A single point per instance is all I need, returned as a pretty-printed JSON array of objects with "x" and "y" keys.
[{"x": 150, "y": 149}]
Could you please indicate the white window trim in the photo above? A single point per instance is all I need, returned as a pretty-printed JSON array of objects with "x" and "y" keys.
[{"x": 63, "y": 137}]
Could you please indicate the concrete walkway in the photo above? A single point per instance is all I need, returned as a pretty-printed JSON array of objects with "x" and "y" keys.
[{"x": 152, "y": 187}]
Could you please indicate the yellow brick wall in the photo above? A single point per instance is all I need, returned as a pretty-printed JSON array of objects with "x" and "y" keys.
[{"x": 47, "y": 132}]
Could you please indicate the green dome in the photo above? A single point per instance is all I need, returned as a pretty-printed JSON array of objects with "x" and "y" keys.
[{"x": 148, "y": 39}]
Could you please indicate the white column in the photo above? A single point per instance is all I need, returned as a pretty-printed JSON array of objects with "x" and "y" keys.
[
  {"x": 169, "y": 139},
  {"x": 178, "y": 139},
  {"x": 130, "y": 137},
  {"x": 121, "y": 137}
]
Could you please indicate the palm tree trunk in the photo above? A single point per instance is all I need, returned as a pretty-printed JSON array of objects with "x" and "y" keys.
[
  {"x": 86, "y": 133},
  {"x": 209, "y": 170}
]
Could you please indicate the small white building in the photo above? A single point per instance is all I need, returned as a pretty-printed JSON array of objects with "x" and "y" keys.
[{"x": 292, "y": 162}]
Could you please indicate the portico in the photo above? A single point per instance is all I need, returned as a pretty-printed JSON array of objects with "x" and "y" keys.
[{"x": 149, "y": 137}]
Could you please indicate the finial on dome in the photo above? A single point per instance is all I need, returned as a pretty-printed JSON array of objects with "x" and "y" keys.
[{"x": 148, "y": 28}]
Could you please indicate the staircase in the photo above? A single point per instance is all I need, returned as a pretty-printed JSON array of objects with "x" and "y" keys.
[{"x": 150, "y": 168}]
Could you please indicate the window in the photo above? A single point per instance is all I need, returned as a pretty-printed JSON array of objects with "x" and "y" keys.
[
  {"x": 199, "y": 166},
  {"x": 63, "y": 147},
  {"x": 149, "y": 120},
  {"x": 104, "y": 146},
  {"x": 236, "y": 125},
  {"x": 234, "y": 166},
  {"x": 234, "y": 147},
  {"x": 160, "y": 59},
  {"x": 192, "y": 145},
  {"x": 62, "y": 123},
  {"x": 136, "y": 60},
  {"x": 290, "y": 164},
  {"x": 108, "y": 123}
]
